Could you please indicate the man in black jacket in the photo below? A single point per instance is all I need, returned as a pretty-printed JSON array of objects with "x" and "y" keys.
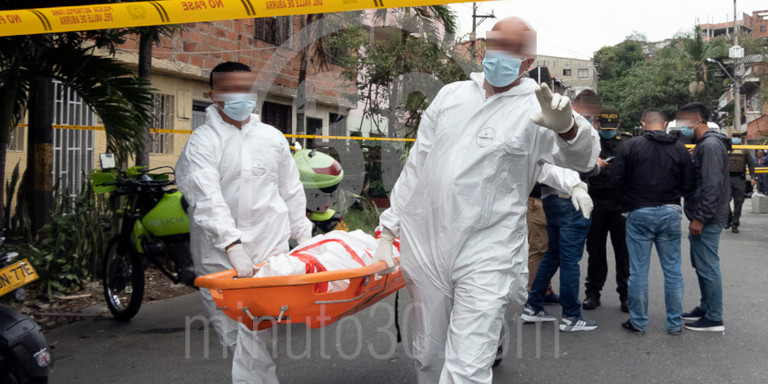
[
  {"x": 654, "y": 171},
  {"x": 606, "y": 217},
  {"x": 707, "y": 209}
]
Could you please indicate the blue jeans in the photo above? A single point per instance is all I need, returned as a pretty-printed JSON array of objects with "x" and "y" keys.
[
  {"x": 704, "y": 257},
  {"x": 645, "y": 227},
  {"x": 567, "y": 231}
]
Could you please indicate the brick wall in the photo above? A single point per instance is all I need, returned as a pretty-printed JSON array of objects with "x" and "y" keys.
[{"x": 206, "y": 44}]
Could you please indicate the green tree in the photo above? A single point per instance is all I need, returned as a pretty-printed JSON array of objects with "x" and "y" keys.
[
  {"x": 690, "y": 53},
  {"x": 28, "y": 64},
  {"x": 641, "y": 88},
  {"x": 614, "y": 61}
]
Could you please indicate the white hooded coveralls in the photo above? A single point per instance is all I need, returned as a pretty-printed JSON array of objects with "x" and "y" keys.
[
  {"x": 459, "y": 209},
  {"x": 240, "y": 184}
]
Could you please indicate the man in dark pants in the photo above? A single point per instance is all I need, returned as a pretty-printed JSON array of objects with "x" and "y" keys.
[
  {"x": 606, "y": 217},
  {"x": 738, "y": 159},
  {"x": 707, "y": 209}
]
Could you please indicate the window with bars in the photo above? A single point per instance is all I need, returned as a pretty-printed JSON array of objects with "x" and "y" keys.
[
  {"x": 273, "y": 30},
  {"x": 278, "y": 116},
  {"x": 762, "y": 28},
  {"x": 162, "y": 118},
  {"x": 583, "y": 73},
  {"x": 16, "y": 141},
  {"x": 566, "y": 72},
  {"x": 73, "y": 149}
]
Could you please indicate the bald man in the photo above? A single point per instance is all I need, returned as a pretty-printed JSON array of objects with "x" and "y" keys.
[{"x": 459, "y": 206}]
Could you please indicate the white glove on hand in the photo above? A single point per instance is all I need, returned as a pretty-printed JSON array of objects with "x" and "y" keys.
[
  {"x": 384, "y": 251},
  {"x": 240, "y": 260},
  {"x": 303, "y": 239},
  {"x": 556, "y": 113},
  {"x": 581, "y": 199}
]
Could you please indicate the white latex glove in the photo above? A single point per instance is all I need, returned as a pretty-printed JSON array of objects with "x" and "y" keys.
[
  {"x": 556, "y": 113},
  {"x": 581, "y": 199},
  {"x": 240, "y": 260},
  {"x": 384, "y": 251},
  {"x": 303, "y": 239}
]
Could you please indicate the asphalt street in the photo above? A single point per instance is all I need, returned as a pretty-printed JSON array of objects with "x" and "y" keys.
[{"x": 157, "y": 347}]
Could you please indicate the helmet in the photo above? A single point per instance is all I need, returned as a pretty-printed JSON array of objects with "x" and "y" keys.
[{"x": 320, "y": 174}]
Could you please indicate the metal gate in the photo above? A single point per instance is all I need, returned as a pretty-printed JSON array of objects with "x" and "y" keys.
[{"x": 73, "y": 149}]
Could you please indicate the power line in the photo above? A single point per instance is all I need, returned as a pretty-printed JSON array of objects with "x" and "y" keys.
[{"x": 561, "y": 47}]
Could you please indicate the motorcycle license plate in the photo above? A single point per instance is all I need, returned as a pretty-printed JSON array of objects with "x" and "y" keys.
[
  {"x": 342, "y": 226},
  {"x": 16, "y": 275}
]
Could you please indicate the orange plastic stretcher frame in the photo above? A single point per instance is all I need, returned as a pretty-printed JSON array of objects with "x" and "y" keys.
[{"x": 268, "y": 301}]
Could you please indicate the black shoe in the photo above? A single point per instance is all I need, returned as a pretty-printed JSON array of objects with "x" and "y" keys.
[
  {"x": 694, "y": 315},
  {"x": 591, "y": 303},
  {"x": 499, "y": 356},
  {"x": 675, "y": 333},
  {"x": 624, "y": 306},
  {"x": 727, "y": 224},
  {"x": 735, "y": 229},
  {"x": 552, "y": 299},
  {"x": 627, "y": 326},
  {"x": 705, "y": 325}
]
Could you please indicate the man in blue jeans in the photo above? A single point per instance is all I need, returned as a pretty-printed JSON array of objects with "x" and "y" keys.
[
  {"x": 654, "y": 170},
  {"x": 707, "y": 209},
  {"x": 567, "y": 230}
]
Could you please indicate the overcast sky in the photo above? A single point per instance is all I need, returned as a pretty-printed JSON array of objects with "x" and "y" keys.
[{"x": 578, "y": 28}]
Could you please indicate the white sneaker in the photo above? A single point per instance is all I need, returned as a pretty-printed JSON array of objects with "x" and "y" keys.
[
  {"x": 576, "y": 324},
  {"x": 530, "y": 315}
]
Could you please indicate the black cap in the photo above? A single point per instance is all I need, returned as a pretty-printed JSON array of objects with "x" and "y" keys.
[{"x": 609, "y": 117}]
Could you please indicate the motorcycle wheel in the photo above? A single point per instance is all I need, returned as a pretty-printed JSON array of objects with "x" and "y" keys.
[{"x": 123, "y": 281}]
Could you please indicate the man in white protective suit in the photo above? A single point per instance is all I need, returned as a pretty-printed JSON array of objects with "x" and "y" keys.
[
  {"x": 245, "y": 202},
  {"x": 459, "y": 205}
]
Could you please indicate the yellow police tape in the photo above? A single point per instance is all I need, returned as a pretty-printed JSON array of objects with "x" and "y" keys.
[
  {"x": 138, "y": 14},
  {"x": 187, "y": 132}
]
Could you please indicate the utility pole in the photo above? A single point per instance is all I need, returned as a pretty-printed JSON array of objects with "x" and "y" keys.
[
  {"x": 473, "y": 35},
  {"x": 736, "y": 53}
]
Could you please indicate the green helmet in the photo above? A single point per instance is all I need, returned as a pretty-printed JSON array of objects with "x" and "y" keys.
[{"x": 318, "y": 170}]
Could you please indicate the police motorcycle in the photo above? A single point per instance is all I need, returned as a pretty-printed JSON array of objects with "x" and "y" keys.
[
  {"x": 154, "y": 230},
  {"x": 155, "y": 226},
  {"x": 25, "y": 356}
]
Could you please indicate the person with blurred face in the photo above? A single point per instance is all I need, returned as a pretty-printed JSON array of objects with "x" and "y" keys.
[
  {"x": 459, "y": 205},
  {"x": 607, "y": 217},
  {"x": 245, "y": 202},
  {"x": 655, "y": 171},
  {"x": 707, "y": 210},
  {"x": 739, "y": 160}
]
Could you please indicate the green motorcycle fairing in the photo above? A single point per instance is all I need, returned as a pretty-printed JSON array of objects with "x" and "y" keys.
[
  {"x": 167, "y": 218},
  {"x": 138, "y": 231}
]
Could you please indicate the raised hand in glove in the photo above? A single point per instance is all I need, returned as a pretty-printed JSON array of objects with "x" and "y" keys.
[
  {"x": 556, "y": 113},
  {"x": 581, "y": 199},
  {"x": 384, "y": 251},
  {"x": 240, "y": 261}
]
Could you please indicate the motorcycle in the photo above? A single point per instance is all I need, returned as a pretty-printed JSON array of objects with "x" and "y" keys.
[
  {"x": 25, "y": 356},
  {"x": 154, "y": 230},
  {"x": 155, "y": 225}
]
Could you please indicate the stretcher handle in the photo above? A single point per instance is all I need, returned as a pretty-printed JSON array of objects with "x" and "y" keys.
[{"x": 226, "y": 279}]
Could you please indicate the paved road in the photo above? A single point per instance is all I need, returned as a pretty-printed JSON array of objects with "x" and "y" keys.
[{"x": 151, "y": 348}]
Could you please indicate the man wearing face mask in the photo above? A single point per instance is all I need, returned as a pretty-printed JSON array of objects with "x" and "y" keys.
[
  {"x": 245, "y": 202},
  {"x": 607, "y": 217},
  {"x": 459, "y": 205},
  {"x": 738, "y": 160}
]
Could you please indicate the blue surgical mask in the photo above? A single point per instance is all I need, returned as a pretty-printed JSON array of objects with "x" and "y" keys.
[
  {"x": 608, "y": 133},
  {"x": 501, "y": 68},
  {"x": 687, "y": 132},
  {"x": 237, "y": 106},
  {"x": 736, "y": 140}
]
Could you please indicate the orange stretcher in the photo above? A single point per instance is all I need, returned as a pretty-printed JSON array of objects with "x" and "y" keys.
[{"x": 268, "y": 301}]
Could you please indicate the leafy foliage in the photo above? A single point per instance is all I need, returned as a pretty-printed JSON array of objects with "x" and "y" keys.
[
  {"x": 74, "y": 242},
  {"x": 690, "y": 53}
]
